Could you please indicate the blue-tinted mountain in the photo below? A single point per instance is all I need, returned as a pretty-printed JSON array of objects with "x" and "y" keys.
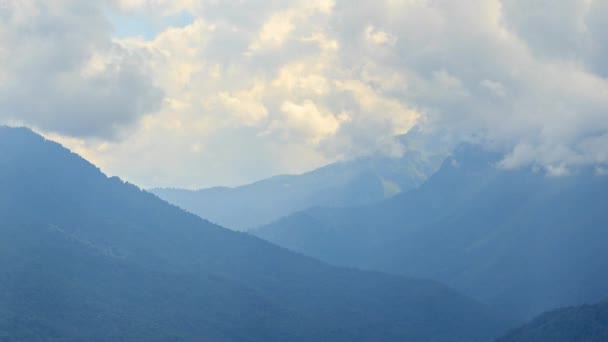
[
  {"x": 586, "y": 323},
  {"x": 84, "y": 257},
  {"x": 361, "y": 181},
  {"x": 519, "y": 240}
]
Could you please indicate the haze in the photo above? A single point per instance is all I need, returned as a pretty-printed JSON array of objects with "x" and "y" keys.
[{"x": 304, "y": 170}]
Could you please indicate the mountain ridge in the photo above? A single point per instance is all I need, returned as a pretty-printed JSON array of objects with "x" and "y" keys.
[
  {"x": 356, "y": 182},
  {"x": 585, "y": 323},
  {"x": 118, "y": 262},
  {"x": 505, "y": 237}
]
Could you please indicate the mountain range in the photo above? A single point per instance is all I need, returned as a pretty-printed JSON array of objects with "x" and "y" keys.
[
  {"x": 518, "y": 240},
  {"x": 361, "y": 181},
  {"x": 84, "y": 257}
]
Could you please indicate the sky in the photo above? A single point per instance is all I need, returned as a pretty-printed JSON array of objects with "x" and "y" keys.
[{"x": 199, "y": 93}]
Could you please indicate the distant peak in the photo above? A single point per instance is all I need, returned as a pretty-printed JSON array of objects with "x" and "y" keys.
[{"x": 473, "y": 155}]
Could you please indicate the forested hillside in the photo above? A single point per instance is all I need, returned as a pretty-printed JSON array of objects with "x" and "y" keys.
[{"x": 90, "y": 258}]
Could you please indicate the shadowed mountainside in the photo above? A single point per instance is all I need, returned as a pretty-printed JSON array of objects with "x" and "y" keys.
[
  {"x": 86, "y": 257},
  {"x": 519, "y": 240},
  {"x": 587, "y": 323}
]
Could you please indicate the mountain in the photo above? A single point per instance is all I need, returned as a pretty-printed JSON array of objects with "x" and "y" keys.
[
  {"x": 356, "y": 182},
  {"x": 519, "y": 240},
  {"x": 587, "y": 323},
  {"x": 84, "y": 257}
]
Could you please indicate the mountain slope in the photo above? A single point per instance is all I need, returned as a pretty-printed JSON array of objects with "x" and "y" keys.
[
  {"x": 85, "y": 257},
  {"x": 356, "y": 182},
  {"x": 587, "y": 323},
  {"x": 518, "y": 240}
]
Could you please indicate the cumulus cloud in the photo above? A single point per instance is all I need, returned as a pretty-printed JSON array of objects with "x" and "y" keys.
[
  {"x": 254, "y": 96},
  {"x": 61, "y": 72},
  {"x": 520, "y": 76},
  {"x": 379, "y": 37},
  {"x": 257, "y": 87}
]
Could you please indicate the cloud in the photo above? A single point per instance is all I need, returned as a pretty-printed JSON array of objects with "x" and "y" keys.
[
  {"x": 245, "y": 104},
  {"x": 60, "y": 71},
  {"x": 275, "y": 31},
  {"x": 276, "y": 102},
  {"x": 516, "y": 75},
  {"x": 379, "y": 37},
  {"x": 252, "y": 88},
  {"x": 308, "y": 119}
]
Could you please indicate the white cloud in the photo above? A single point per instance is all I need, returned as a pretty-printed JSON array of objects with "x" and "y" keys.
[
  {"x": 275, "y": 31},
  {"x": 257, "y": 87},
  {"x": 307, "y": 119},
  {"x": 379, "y": 37},
  {"x": 61, "y": 72},
  {"x": 301, "y": 78},
  {"x": 246, "y": 105},
  {"x": 496, "y": 88}
]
